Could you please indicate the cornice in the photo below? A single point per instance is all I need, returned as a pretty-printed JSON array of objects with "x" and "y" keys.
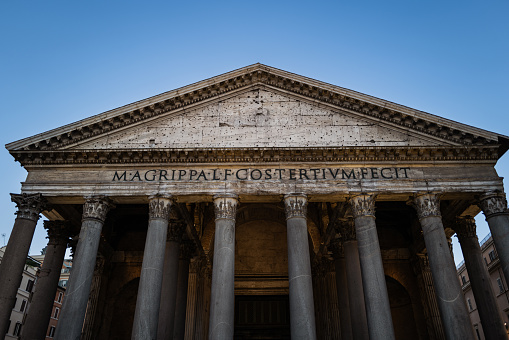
[
  {"x": 345, "y": 99},
  {"x": 259, "y": 155}
]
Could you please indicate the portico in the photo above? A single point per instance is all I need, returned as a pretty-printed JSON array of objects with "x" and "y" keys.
[{"x": 302, "y": 206}]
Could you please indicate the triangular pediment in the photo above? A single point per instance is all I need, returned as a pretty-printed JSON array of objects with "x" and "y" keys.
[
  {"x": 255, "y": 107},
  {"x": 259, "y": 117}
]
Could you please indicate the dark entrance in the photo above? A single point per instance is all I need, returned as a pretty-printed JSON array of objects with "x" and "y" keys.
[{"x": 262, "y": 317}]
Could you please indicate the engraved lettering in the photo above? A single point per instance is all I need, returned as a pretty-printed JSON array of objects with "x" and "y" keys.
[
  {"x": 153, "y": 175},
  {"x": 182, "y": 173},
  {"x": 162, "y": 174},
  {"x": 202, "y": 174},
  {"x": 116, "y": 176},
  {"x": 344, "y": 174},
  {"x": 241, "y": 178},
  {"x": 374, "y": 173},
  {"x": 382, "y": 173},
  {"x": 258, "y": 176},
  {"x": 334, "y": 174},
  {"x": 303, "y": 173}
]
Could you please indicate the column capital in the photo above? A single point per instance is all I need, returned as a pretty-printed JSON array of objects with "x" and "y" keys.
[
  {"x": 363, "y": 205},
  {"x": 176, "y": 231},
  {"x": 295, "y": 205},
  {"x": 159, "y": 206},
  {"x": 493, "y": 203},
  {"x": 336, "y": 247},
  {"x": 96, "y": 208},
  {"x": 465, "y": 227},
  {"x": 427, "y": 205},
  {"x": 225, "y": 206},
  {"x": 58, "y": 232},
  {"x": 29, "y": 205}
]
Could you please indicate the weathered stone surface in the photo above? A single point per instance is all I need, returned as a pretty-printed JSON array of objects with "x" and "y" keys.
[{"x": 258, "y": 118}]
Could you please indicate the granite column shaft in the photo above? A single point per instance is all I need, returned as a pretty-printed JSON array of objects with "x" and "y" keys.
[
  {"x": 181, "y": 303},
  {"x": 342, "y": 289},
  {"x": 149, "y": 292},
  {"x": 451, "y": 302},
  {"x": 378, "y": 309},
  {"x": 302, "y": 311},
  {"x": 13, "y": 261},
  {"x": 169, "y": 283},
  {"x": 494, "y": 207},
  {"x": 222, "y": 304},
  {"x": 41, "y": 306},
  {"x": 355, "y": 286},
  {"x": 489, "y": 313},
  {"x": 78, "y": 287}
]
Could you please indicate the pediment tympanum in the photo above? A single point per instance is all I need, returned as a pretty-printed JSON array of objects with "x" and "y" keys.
[{"x": 258, "y": 118}]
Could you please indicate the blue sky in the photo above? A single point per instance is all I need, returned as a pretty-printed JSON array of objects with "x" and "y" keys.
[{"x": 62, "y": 61}]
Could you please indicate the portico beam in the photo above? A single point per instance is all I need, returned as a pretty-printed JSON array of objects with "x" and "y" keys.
[
  {"x": 149, "y": 292},
  {"x": 302, "y": 311},
  {"x": 74, "y": 307},
  {"x": 15, "y": 256},
  {"x": 451, "y": 302},
  {"x": 222, "y": 296},
  {"x": 378, "y": 309}
]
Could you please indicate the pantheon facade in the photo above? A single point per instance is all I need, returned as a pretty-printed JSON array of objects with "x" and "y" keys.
[{"x": 259, "y": 204}]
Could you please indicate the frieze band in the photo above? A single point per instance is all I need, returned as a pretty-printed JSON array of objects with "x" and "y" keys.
[{"x": 250, "y": 174}]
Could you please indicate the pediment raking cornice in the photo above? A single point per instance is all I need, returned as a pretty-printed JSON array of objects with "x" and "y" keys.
[{"x": 344, "y": 99}]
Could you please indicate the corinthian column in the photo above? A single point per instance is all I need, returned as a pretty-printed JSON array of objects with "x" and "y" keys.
[
  {"x": 354, "y": 278},
  {"x": 149, "y": 292},
  {"x": 78, "y": 287},
  {"x": 342, "y": 289},
  {"x": 451, "y": 302},
  {"x": 491, "y": 319},
  {"x": 13, "y": 262},
  {"x": 222, "y": 296},
  {"x": 378, "y": 308},
  {"x": 494, "y": 207},
  {"x": 187, "y": 250},
  {"x": 170, "y": 279},
  {"x": 302, "y": 311},
  {"x": 37, "y": 319}
]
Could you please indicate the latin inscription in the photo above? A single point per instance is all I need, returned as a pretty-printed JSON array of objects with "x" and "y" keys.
[{"x": 249, "y": 174}]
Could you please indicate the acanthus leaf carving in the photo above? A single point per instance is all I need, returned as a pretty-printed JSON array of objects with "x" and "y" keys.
[
  {"x": 295, "y": 205},
  {"x": 427, "y": 205},
  {"x": 29, "y": 205},
  {"x": 225, "y": 206},
  {"x": 493, "y": 203},
  {"x": 96, "y": 208},
  {"x": 363, "y": 205}
]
